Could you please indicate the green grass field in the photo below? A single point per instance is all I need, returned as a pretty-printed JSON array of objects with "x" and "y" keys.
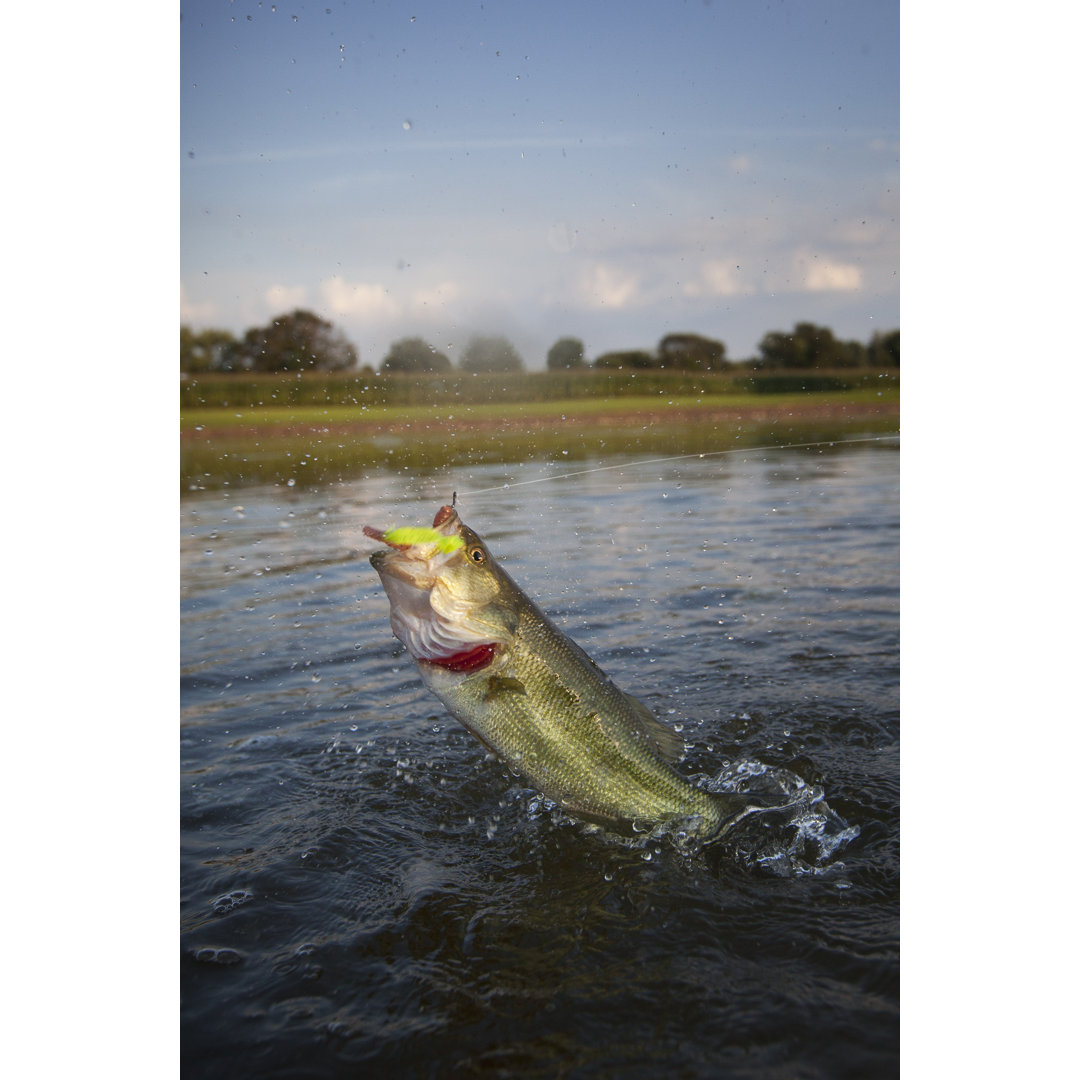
[
  {"x": 232, "y": 447},
  {"x": 276, "y": 416}
]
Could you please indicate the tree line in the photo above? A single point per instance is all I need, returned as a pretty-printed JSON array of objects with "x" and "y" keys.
[{"x": 302, "y": 341}]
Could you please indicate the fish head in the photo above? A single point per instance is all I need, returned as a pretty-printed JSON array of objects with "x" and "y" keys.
[{"x": 449, "y": 601}]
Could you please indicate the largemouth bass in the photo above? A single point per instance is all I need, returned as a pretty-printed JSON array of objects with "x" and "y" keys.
[{"x": 530, "y": 694}]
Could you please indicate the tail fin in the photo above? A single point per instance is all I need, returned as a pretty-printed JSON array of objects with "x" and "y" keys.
[{"x": 736, "y": 809}]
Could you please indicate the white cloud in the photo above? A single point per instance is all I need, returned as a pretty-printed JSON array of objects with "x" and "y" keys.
[
  {"x": 192, "y": 312},
  {"x": 425, "y": 301},
  {"x": 719, "y": 277},
  {"x": 603, "y": 286},
  {"x": 822, "y": 275},
  {"x": 368, "y": 301},
  {"x": 281, "y": 298}
]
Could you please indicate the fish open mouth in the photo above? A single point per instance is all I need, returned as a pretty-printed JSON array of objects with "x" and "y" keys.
[{"x": 425, "y": 615}]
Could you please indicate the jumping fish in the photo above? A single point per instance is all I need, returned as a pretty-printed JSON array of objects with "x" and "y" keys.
[{"x": 530, "y": 694}]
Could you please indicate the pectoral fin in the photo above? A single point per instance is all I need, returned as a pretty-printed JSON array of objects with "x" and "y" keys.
[{"x": 503, "y": 684}]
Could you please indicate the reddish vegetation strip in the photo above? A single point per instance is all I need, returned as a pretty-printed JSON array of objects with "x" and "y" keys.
[{"x": 812, "y": 411}]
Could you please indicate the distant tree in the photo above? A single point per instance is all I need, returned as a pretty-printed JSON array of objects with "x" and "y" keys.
[
  {"x": 631, "y": 358},
  {"x": 884, "y": 349},
  {"x": 190, "y": 356},
  {"x": 850, "y": 354},
  {"x": 414, "y": 356},
  {"x": 692, "y": 352},
  {"x": 567, "y": 352},
  {"x": 494, "y": 353},
  {"x": 206, "y": 350},
  {"x": 775, "y": 350},
  {"x": 295, "y": 342},
  {"x": 807, "y": 346}
]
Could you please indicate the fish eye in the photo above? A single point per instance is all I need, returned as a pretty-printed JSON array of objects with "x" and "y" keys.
[{"x": 477, "y": 555}]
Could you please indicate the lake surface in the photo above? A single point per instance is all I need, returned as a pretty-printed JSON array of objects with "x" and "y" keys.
[{"x": 366, "y": 892}]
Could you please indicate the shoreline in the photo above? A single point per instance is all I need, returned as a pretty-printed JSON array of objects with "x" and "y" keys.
[{"x": 317, "y": 447}]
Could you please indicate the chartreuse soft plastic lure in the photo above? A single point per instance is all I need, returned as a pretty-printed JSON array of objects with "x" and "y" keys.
[{"x": 409, "y": 536}]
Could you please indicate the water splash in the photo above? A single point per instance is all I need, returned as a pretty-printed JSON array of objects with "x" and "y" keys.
[{"x": 804, "y": 837}]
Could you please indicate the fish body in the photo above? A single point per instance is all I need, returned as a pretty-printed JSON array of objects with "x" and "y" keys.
[{"x": 531, "y": 694}]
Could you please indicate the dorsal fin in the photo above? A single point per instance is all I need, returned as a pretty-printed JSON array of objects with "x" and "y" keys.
[{"x": 669, "y": 744}]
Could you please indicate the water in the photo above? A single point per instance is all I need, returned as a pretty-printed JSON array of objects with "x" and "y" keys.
[{"x": 366, "y": 892}]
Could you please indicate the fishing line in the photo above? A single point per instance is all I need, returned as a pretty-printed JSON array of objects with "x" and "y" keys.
[{"x": 675, "y": 457}]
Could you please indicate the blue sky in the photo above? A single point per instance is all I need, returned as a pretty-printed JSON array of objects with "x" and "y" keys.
[{"x": 609, "y": 170}]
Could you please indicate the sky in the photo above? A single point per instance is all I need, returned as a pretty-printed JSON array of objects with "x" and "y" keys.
[{"x": 612, "y": 171}]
